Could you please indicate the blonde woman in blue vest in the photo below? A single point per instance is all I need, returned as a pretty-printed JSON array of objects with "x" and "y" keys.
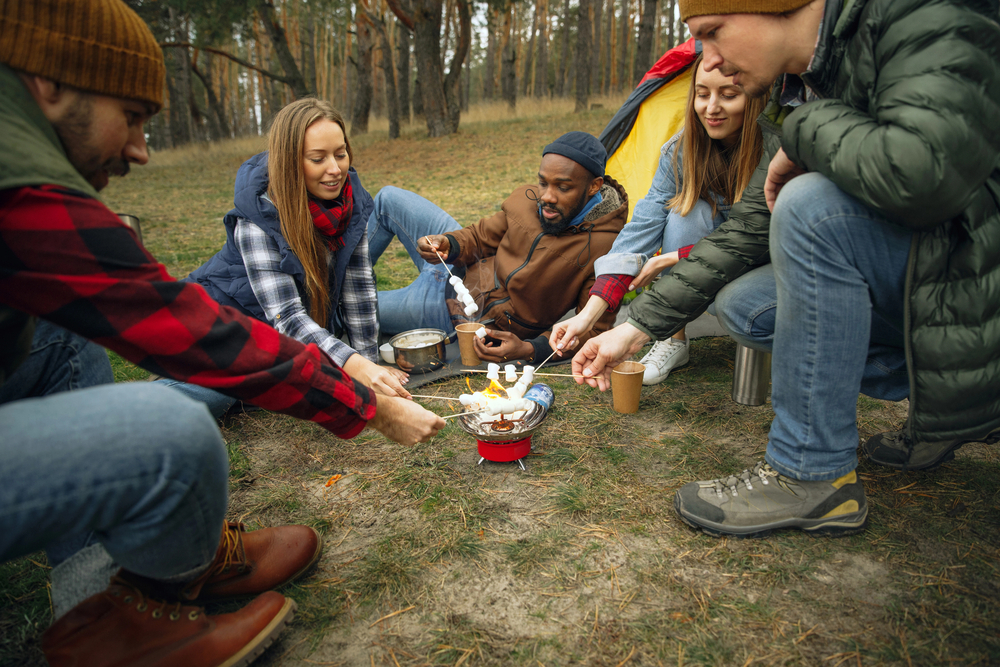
[{"x": 296, "y": 251}]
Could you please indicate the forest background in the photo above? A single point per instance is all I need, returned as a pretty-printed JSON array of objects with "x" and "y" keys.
[{"x": 232, "y": 64}]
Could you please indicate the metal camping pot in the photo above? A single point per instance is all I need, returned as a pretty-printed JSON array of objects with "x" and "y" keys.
[{"x": 420, "y": 350}]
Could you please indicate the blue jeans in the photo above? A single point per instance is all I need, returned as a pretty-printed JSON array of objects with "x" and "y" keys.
[
  {"x": 669, "y": 231},
  {"x": 136, "y": 467},
  {"x": 218, "y": 404},
  {"x": 407, "y": 216},
  {"x": 746, "y": 308},
  {"x": 839, "y": 267}
]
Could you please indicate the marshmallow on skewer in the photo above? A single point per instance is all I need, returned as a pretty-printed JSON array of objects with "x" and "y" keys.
[
  {"x": 466, "y": 399},
  {"x": 454, "y": 280},
  {"x": 461, "y": 289},
  {"x": 471, "y": 309},
  {"x": 517, "y": 391},
  {"x": 493, "y": 372},
  {"x": 528, "y": 375},
  {"x": 511, "y": 373},
  {"x": 481, "y": 333},
  {"x": 467, "y": 299}
]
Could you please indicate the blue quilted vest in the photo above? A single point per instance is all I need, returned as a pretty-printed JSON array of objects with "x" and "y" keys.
[{"x": 224, "y": 276}]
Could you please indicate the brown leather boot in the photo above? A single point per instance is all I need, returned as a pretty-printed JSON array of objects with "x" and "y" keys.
[
  {"x": 123, "y": 627},
  {"x": 248, "y": 563}
]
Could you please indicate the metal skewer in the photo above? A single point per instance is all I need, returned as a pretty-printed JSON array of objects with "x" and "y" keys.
[{"x": 440, "y": 398}]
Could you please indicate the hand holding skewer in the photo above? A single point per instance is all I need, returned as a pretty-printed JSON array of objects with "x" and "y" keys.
[{"x": 434, "y": 248}]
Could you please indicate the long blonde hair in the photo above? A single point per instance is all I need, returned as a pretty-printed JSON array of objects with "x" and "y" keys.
[
  {"x": 287, "y": 189},
  {"x": 708, "y": 165}
]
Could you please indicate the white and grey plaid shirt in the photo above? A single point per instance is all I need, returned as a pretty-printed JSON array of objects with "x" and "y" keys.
[{"x": 285, "y": 311}]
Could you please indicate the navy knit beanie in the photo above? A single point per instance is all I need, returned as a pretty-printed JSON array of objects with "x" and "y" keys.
[{"x": 582, "y": 148}]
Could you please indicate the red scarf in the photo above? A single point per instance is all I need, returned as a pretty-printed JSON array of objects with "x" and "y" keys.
[{"x": 332, "y": 217}]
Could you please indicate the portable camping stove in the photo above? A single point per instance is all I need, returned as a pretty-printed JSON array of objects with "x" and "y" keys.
[{"x": 500, "y": 439}]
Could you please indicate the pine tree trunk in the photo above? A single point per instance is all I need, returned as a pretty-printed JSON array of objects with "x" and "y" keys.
[
  {"x": 564, "y": 52},
  {"x": 529, "y": 56},
  {"x": 279, "y": 42},
  {"x": 623, "y": 83},
  {"x": 542, "y": 49},
  {"x": 644, "y": 45},
  {"x": 508, "y": 61},
  {"x": 403, "y": 72},
  {"x": 595, "y": 46},
  {"x": 583, "y": 35},
  {"x": 363, "y": 67},
  {"x": 609, "y": 24},
  {"x": 491, "y": 54},
  {"x": 427, "y": 52},
  {"x": 179, "y": 85}
]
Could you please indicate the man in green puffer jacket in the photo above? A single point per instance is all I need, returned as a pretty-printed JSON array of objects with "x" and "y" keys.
[{"x": 886, "y": 224}]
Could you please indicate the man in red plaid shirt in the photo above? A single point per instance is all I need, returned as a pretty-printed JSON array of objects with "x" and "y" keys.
[{"x": 133, "y": 475}]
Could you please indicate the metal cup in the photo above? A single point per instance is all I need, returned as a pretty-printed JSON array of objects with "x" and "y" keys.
[
  {"x": 751, "y": 376},
  {"x": 133, "y": 222}
]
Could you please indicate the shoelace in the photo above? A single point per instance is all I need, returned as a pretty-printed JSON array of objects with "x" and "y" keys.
[
  {"x": 234, "y": 552},
  {"x": 762, "y": 471},
  {"x": 143, "y": 604},
  {"x": 662, "y": 349}
]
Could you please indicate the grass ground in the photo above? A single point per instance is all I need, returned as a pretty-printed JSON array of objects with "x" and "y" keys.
[{"x": 433, "y": 560}]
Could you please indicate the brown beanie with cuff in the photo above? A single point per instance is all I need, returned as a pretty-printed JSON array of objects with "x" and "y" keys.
[
  {"x": 99, "y": 46},
  {"x": 690, "y": 8}
]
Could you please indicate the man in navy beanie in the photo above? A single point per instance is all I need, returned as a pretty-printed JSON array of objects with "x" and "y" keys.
[{"x": 523, "y": 267}]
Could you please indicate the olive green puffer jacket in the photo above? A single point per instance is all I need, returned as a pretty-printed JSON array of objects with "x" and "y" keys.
[{"x": 909, "y": 125}]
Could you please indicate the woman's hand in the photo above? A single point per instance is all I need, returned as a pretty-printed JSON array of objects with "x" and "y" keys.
[
  {"x": 427, "y": 245},
  {"x": 382, "y": 379},
  {"x": 566, "y": 334},
  {"x": 507, "y": 348},
  {"x": 652, "y": 268}
]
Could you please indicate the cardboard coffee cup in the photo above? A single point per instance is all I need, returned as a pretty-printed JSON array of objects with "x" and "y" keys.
[
  {"x": 626, "y": 384},
  {"x": 466, "y": 343}
]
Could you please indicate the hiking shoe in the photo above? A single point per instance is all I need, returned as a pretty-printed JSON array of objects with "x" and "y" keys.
[
  {"x": 896, "y": 450},
  {"x": 123, "y": 627},
  {"x": 760, "y": 500},
  {"x": 246, "y": 564},
  {"x": 663, "y": 357}
]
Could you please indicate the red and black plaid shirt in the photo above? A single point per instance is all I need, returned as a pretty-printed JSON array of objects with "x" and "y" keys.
[
  {"x": 612, "y": 287},
  {"x": 66, "y": 258}
]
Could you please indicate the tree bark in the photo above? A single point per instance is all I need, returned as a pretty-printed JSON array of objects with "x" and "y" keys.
[
  {"x": 623, "y": 83},
  {"x": 595, "y": 46},
  {"x": 279, "y": 42},
  {"x": 564, "y": 52},
  {"x": 489, "y": 66},
  {"x": 385, "y": 62},
  {"x": 609, "y": 24},
  {"x": 179, "y": 86},
  {"x": 542, "y": 49},
  {"x": 309, "y": 50},
  {"x": 508, "y": 63},
  {"x": 403, "y": 71},
  {"x": 529, "y": 56},
  {"x": 583, "y": 34},
  {"x": 218, "y": 124},
  {"x": 644, "y": 45},
  {"x": 453, "y": 80},
  {"x": 363, "y": 67}
]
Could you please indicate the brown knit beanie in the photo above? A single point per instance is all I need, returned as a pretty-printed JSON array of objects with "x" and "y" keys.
[
  {"x": 691, "y": 8},
  {"x": 100, "y": 46}
]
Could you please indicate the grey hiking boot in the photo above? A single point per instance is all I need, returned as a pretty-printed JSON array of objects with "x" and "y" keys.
[
  {"x": 760, "y": 500},
  {"x": 896, "y": 450}
]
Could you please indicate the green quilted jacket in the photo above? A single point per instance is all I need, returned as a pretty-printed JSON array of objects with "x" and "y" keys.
[{"x": 909, "y": 124}]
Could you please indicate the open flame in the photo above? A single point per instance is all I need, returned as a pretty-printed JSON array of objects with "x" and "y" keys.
[{"x": 495, "y": 390}]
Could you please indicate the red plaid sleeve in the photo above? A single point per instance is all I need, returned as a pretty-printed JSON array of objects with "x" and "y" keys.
[
  {"x": 66, "y": 258},
  {"x": 612, "y": 288}
]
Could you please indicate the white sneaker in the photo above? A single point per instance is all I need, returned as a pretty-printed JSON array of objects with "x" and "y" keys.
[{"x": 663, "y": 357}]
